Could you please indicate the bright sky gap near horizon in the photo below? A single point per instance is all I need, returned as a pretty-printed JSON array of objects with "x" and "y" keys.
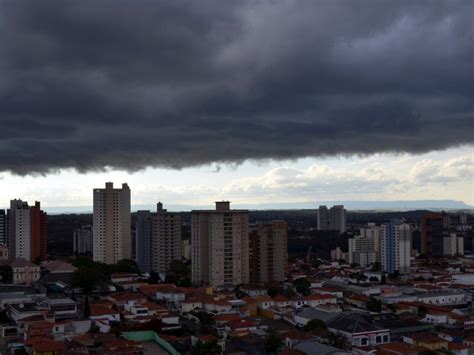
[
  {"x": 437, "y": 175},
  {"x": 254, "y": 102}
]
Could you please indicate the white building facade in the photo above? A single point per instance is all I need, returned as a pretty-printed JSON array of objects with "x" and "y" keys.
[{"x": 111, "y": 224}]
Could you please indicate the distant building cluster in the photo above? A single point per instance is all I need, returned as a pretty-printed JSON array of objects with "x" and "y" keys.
[{"x": 332, "y": 219}]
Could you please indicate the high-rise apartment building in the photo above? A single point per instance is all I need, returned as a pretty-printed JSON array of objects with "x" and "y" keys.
[
  {"x": 323, "y": 218},
  {"x": 158, "y": 239},
  {"x": 373, "y": 231},
  {"x": 20, "y": 237},
  {"x": 111, "y": 224},
  {"x": 396, "y": 247},
  {"x": 268, "y": 251},
  {"x": 166, "y": 241},
  {"x": 27, "y": 233},
  {"x": 143, "y": 238},
  {"x": 3, "y": 228},
  {"x": 361, "y": 250},
  {"x": 83, "y": 242},
  {"x": 38, "y": 230},
  {"x": 220, "y": 246},
  {"x": 433, "y": 233},
  {"x": 334, "y": 218},
  {"x": 453, "y": 245},
  {"x": 364, "y": 249}
]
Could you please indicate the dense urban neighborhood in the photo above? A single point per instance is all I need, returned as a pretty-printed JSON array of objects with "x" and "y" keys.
[{"x": 218, "y": 281}]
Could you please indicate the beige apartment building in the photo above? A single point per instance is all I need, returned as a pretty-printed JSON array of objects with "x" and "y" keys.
[
  {"x": 268, "y": 251},
  {"x": 111, "y": 224},
  {"x": 166, "y": 239},
  {"x": 220, "y": 246}
]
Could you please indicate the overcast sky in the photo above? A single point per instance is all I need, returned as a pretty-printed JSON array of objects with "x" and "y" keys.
[{"x": 255, "y": 101}]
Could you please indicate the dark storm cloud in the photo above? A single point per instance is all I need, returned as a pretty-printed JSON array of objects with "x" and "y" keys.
[{"x": 131, "y": 84}]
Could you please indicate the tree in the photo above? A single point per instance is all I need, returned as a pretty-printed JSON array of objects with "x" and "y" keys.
[
  {"x": 87, "y": 308},
  {"x": 82, "y": 261},
  {"x": 239, "y": 293},
  {"x": 394, "y": 275},
  {"x": 273, "y": 290},
  {"x": 302, "y": 286},
  {"x": 154, "y": 278},
  {"x": 127, "y": 265},
  {"x": 382, "y": 279},
  {"x": 376, "y": 266},
  {"x": 87, "y": 279},
  {"x": 314, "y": 324},
  {"x": 315, "y": 263},
  {"x": 273, "y": 342},
  {"x": 202, "y": 348},
  {"x": 179, "y": 274},
  {"x": 422, "y": 310},
  {"x": 338, "y": 341},
  {"x": 374, "y": 305},
  {"x": 205, "y": 318},
  {"x": 6, "y": 273},
  {"x": 289, "y": 293},
  {"x": 392, "y": 307}
]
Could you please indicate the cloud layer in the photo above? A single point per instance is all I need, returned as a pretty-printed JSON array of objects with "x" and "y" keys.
[{"x": 123, "y": 84}]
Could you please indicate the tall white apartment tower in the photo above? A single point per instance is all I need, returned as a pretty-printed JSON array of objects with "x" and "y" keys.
[
  {"x": 20, "y": 234},
  {"x": 220, "y": 246},
  {"x": 396, "y": 247},
  {"x": 111, "y": 224}
]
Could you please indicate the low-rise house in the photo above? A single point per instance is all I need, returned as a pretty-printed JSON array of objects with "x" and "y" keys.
[
  {"x": 302, "y": 317},
  {"x": 131, "y": 285},
  {"x": 435, "y": 317},
  {"x": 251, "y": 305},
  {"x": 326, "y": 290},
  {"x": 19, "y": 311},
  {"x": 4, "y": 256},
  {"x": 298, "y": 302},
  {"x": 104, "y": 313},
  {"x": 281, "y": 301},
  {"x": 254, "y": 291},
  {"x": 240, "y": 327},
  {"x": 319, "y": 299},
  {"x": 312, "y": 347},
  {"x": 171, "y": 294},
  {"x": 445, "y": 298},
  {"x": 295, "y": 336},
  {"x": 357, "y": 301},
  {"x": 399, "y": 349},
  {"x": 357, "y": 331},
  {"x": 120, "y": 299},
  {"x": 58, "y": 266},
  {"x": 62, "y": 308},
  {"x": 191, "y": 304},
  {"x": 428, "y": 341},
  {"x": 459, "y": 349},
  {"x": 45, "y": 346},
  {"x": 24, "y": 271},
  {"x": 125, "y": 276},
  {"x": 216, "y": 306},
  {"x": 264, "y": 302}
]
